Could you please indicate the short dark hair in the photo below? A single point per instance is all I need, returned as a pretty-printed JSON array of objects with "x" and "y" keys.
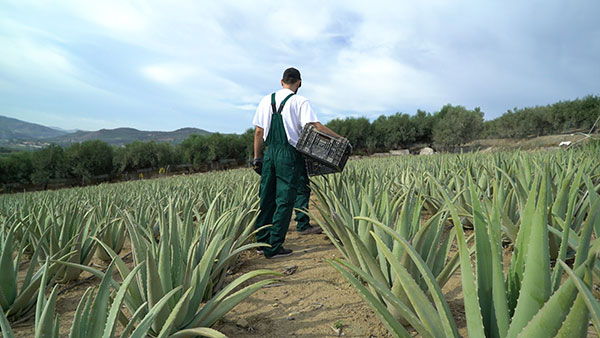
[{"x": 291, "y": 76}]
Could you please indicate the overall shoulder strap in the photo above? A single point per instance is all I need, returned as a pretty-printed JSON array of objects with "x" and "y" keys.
[
  {"x": 283, "y": 103},
  {"x": 273, "y": 103}
]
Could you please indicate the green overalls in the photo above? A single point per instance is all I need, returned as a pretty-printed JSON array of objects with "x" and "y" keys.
[
  {"x": 302, "y": 199},
  {"x": 282, "y": 167}
]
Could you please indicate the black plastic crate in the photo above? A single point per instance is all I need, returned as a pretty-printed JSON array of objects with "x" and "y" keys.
[
  {"x": 314, "y": 168},
  {"x": 324, "y": 154}
]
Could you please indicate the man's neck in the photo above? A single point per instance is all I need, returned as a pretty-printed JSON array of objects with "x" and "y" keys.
[{"x": 290, "y": 87}]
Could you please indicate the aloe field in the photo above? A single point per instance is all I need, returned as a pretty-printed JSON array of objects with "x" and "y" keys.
[{"x": 521, "y": 230}]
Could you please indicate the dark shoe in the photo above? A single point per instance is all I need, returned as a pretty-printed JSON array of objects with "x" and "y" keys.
[
  {"x": 311, "y": 230},
  {"x": 282, "y": 253}
]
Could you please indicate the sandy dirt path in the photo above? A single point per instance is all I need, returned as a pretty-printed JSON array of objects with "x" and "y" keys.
[{"x": 306, "y": 303}]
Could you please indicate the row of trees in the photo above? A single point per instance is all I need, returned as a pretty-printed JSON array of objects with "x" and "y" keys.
[
  {"x": 450, "y": 127},
  {"x": 560, "y": 117},
  {"x": 98, "y": 161},
  {"x": 453, "y": 126}
]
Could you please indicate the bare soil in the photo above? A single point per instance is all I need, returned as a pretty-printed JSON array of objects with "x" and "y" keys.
[{"x": 306, "y": 303}]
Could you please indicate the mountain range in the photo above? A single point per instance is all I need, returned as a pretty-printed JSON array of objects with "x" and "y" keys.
[
  {"x": 13, "y": 129},
  {"x": 15, "y": 133}
]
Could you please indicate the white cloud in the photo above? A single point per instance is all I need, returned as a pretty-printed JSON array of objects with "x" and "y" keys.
[
  {"x": 21, "y": 55},
  {"x": 120, "y": 16},
  {"x": 207, "y": 61},
  {"x": 169, "y": 74},
  {"x": 249, "y": 107}
]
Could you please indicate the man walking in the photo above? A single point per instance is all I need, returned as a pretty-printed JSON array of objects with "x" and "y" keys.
[{"x": 279, "y": 120}]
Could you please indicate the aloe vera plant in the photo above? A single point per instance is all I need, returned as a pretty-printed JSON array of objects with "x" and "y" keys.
[
  {"x": 96, "y": 316},
  {"x": 537, "y": 311},
  {"x": 18, "y": 297},
  {"x": 189, "y": 256},
  {"x": 58, "y": 228},
  {"x": 111, "y": 229},
  {"x": 46, "y": 322},
  {"x": 344, "y": 219},
  {"x": 543, "y": 204}
]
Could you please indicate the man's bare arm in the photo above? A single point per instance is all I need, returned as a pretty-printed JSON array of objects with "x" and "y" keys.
[
  {"x": 322, "y": 128},
  {"x": 258, "y": 141}
]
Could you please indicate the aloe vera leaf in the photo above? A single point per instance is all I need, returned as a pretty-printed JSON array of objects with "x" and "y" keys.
[
  {"x": 44, "y": 328},
  {"x": 86, "y": 313},
  {"x": 133, "y": 320},
  {"x": 115, "y": 308},
  {"x": 431, "y": 243},
  {"x": 173, "y": 315},
  {"x": 593, "y": 195},
  {"x": 576, "y": 323},
  {"x": 586, "y": 234},
  {"x": 5, "y": 326},
  {"x": 164, "y": 263},
  {"x": 200, "y": 279},
  {"x": 517, "y": 263},
  {"x": 147, "y": 321},
  {"x": 100, "y": 306},
  {"x": 366, "y": 260},
  {"x": 549, "y": 319},
  {"x": 418, "y": 299},
  {"x": 564, "y": 244},
  {"x": 442, "y": 307},
  {"x": 89, "y": 269},
  {"x": 79, "y": 320},
  {"x": 393, "y": 301},
  {"x": 472, "y": 309},
  {"x": 56, "y": 326},
  {"x": 535, "y": 288},
  {"x": 396, "y": 329},
  {"x": 591, "y": 302},
  {"x": 200, "y": 331},
  {"x": 363, "y": 228},
  {"x": 499, "y": 297},
  {"x": 33, "y": 262},
  {"x": 231, "y": 301},
  {"x": 214, "y": 302},
  {"x": 134, "y": 297},
  {"x": 483, "y": 265},
  {"x": 41, "y": 297},
  {"x": 8, "y": 277},
  {"x": 155, "y": 291},
  {"x": 559, "y": 207}
]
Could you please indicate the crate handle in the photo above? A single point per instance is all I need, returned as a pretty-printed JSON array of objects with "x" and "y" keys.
[{"x": 326, "y": 136}]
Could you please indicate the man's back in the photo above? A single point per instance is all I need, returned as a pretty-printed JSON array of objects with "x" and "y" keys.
[{"x": 296, "y": 113}]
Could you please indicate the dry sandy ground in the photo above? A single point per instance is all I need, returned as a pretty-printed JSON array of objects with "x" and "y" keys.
[{"x": 306, "y": 303}]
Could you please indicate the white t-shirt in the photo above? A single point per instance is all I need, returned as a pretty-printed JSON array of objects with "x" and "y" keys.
[{"x": 296, "y": 113}]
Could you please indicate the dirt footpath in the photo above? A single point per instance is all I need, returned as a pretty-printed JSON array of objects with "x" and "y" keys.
[{"x": 312, "y": 300}]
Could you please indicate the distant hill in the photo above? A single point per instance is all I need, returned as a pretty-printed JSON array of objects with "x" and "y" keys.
[
  {"x": 19, "y": 134},
  {"x": 122, "y": 136},
  {"x": 13, "y": 129}
]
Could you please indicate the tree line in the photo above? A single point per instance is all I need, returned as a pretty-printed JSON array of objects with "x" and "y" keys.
[
  {"x": 560, "y": 117},
  {"x": 454, "y": 126},
  {"x": 446, "y": 129},
  {"x": 95, "y": 161}
]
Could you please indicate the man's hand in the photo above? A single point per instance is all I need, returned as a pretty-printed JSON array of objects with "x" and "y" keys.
[
  {"x": 257, "y": 165},
  {"x": 324, "y": 129}
]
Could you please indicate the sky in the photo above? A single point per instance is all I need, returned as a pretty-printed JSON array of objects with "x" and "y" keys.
[{"x": 164, "y": 65}]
